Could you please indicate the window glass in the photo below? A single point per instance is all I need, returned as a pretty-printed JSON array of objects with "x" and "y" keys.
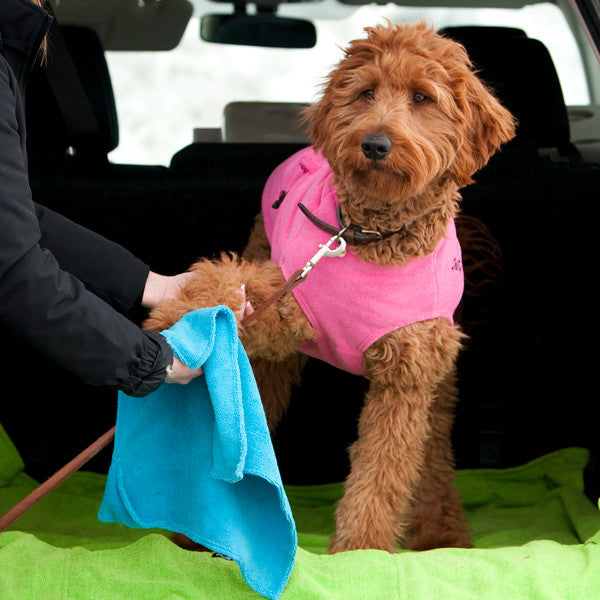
[{"x": 162, "y": 96}]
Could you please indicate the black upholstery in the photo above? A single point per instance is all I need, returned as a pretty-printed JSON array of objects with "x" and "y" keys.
[
  {"x": 528, "y": 374},
  {"x": 249, "y": 160},
  {"x": 49, "y": 135},
  {"x": 59, "y": 415},
  {"x": 526, "y": 377},
  {"x": 521, "y": 73},
  {"x": 466, "y": 33}
]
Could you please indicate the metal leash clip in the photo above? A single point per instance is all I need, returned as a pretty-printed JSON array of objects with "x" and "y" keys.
[{"x": 325, "y": 250}]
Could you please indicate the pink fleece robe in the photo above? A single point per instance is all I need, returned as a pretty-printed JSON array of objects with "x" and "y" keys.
[{"x": 350, "y": 303}]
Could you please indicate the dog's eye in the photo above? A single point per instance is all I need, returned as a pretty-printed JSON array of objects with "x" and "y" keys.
[
  {"x": 369, "y": 94},
  {"x": 418, "y": 98}
]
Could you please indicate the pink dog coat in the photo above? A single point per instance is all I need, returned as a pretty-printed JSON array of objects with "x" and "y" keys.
[{"x": 350, "y": 303}]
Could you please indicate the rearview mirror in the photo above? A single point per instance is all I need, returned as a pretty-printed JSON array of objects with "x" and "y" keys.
[{"x": 258, "y": 30}]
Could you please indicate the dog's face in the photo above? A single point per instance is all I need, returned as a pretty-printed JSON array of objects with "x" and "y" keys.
[{"x": 403, "y": 110}]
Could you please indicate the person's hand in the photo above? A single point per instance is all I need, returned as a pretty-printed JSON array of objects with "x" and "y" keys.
[
  {"x": 159, "y": 288},
  {"x": 181, "y": 373},
  {"x": 245, "y": 308},
  {"x": 168, "y": 287}
]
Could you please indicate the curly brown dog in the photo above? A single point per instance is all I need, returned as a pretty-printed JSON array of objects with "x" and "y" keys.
[{"x": 403, "y": 123}]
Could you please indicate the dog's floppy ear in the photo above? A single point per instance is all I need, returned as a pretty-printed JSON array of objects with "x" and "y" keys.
[{"x": 488, "y": 125}]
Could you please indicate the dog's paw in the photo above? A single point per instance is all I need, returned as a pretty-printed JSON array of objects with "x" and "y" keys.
[
  {"x": 187, "y": 544},
  {"x": 433, "y": 537},
  {"x": 440, "y": 524},
  {"x": 345, "y": 543}
]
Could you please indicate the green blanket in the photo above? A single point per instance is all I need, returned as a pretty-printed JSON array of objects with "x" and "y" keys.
[{"x": 535, "y": 532}]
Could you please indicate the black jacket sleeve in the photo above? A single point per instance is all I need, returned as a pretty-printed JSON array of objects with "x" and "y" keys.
[
  {"x": 50, "y": 307},
  {"x": 106, "y": 268}
]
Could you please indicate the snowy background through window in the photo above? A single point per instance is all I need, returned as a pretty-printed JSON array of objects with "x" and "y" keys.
[{"x": 162, "y": 96}]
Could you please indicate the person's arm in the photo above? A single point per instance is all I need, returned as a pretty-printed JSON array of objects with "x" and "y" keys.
[
  {"x": 47, "y": 306},
  {"x": 113, "y": 273},
  {"x": 106, "y": 268}
]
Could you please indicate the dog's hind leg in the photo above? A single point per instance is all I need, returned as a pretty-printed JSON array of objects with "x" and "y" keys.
[
  {"x": 436, "y": 517},
  {"x": 258, "y": 247},
  {"x": 275, "y": 380}
]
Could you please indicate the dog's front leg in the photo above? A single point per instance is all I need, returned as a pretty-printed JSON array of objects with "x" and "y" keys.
[
  {"x": 386, "y": 460},
  {"x": 404, "y": 369}
]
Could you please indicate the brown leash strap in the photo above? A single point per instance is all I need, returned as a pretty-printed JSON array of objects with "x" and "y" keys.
[
  {"x": 55, "y": 480},
  {"x": 299, "y": 275},
  {"x": 289, "y": 285},
  {"x": 81, "y": 459}
]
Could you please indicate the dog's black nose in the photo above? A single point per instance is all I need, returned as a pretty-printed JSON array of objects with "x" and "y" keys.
[{"x": 376, "y": 147}]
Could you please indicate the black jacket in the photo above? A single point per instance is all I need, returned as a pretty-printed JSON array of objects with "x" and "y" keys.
[{"x": 60, "y": 284}]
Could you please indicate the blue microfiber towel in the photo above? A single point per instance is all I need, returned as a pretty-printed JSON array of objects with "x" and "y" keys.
[{"x": 198, "y": 459}]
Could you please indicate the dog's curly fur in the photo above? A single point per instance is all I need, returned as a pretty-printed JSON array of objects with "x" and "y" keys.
[{"x": 419, "y": 89}]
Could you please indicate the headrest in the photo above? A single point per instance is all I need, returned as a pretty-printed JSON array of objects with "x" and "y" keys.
[
  {"x": 465, "y": 33},
  {"x": 48, "y": 131},
  {"x": 271, "y": 122},
  {"x": 520, "y": 71}
]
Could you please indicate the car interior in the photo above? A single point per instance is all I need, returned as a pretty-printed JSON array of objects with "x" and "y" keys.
[
  {"x": 175, "y": 173},
  {"x": 527, "y": 377}
]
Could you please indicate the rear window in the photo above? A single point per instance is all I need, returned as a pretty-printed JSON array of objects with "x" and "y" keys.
[{"x": 162, "y": 96}]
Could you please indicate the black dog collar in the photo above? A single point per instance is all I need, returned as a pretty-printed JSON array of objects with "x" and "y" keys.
[{"x": 353, "y": 234}]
